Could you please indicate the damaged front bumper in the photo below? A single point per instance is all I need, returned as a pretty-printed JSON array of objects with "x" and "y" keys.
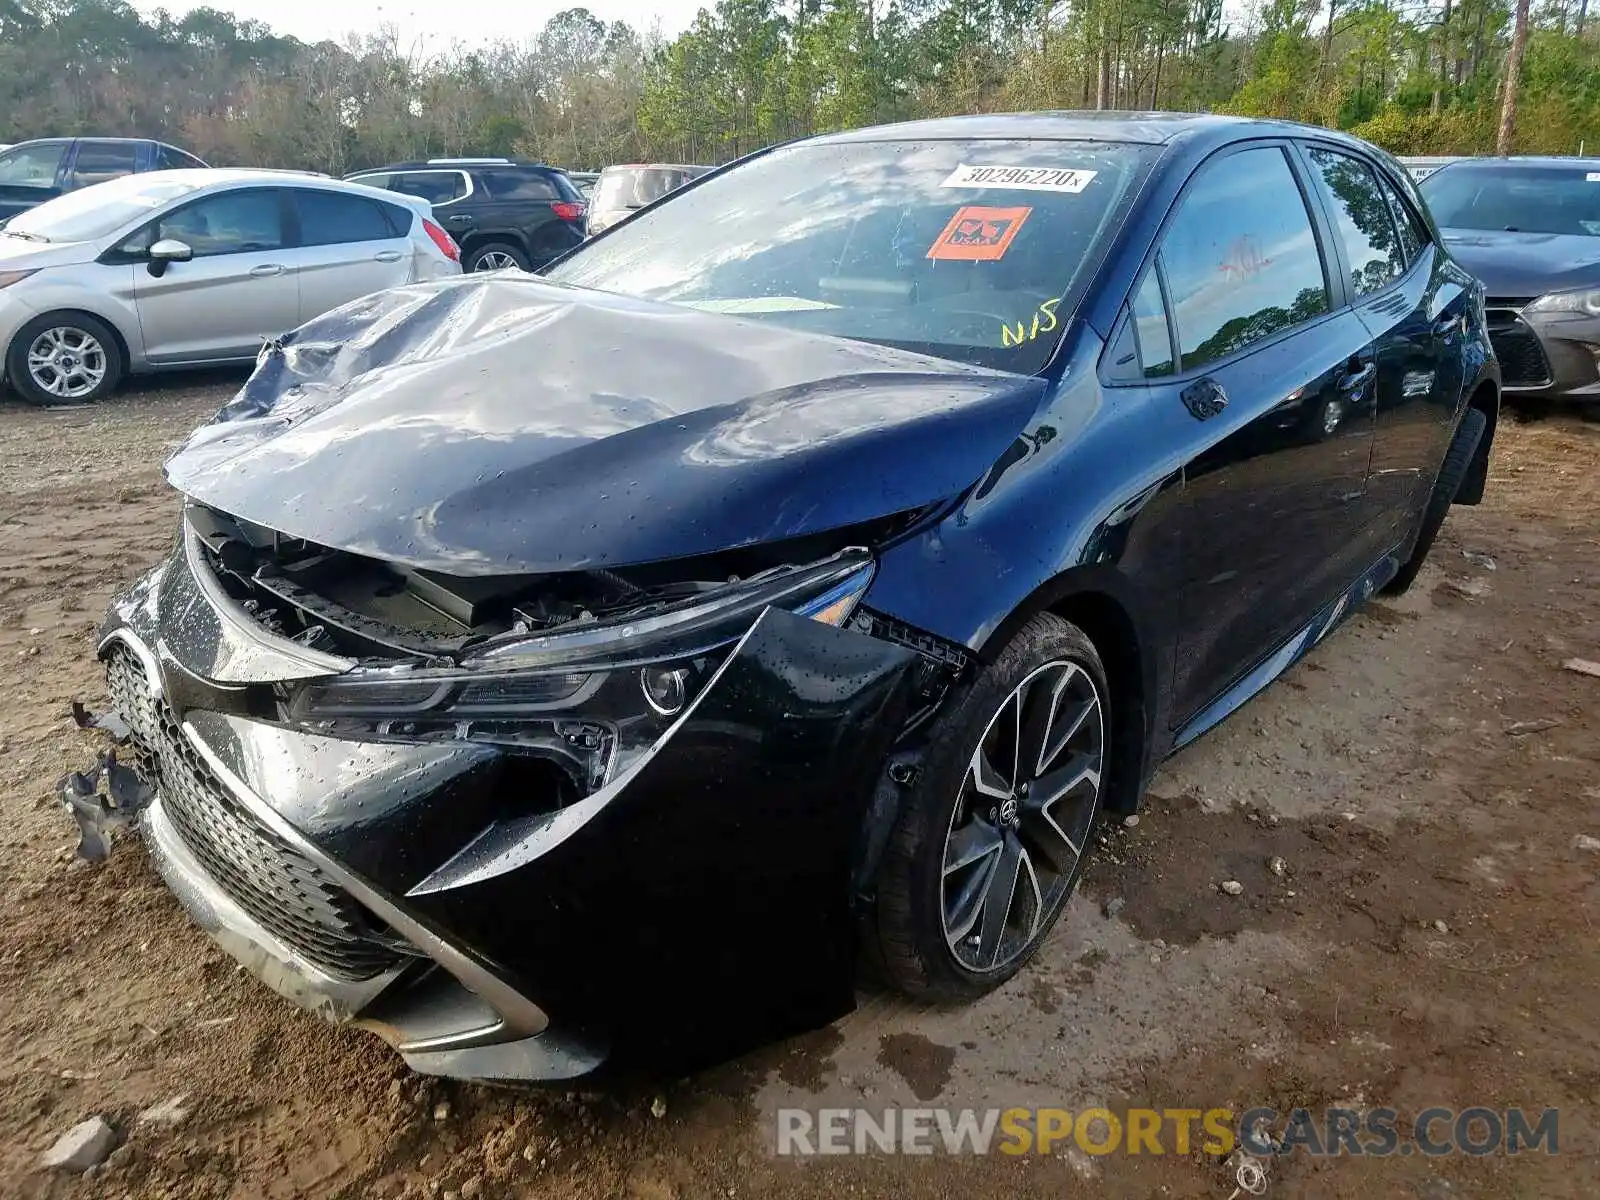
[{"x": 437, "y": 891}]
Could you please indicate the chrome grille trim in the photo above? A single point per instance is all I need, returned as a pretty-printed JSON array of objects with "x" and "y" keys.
[{"x": 281, "y": 889}]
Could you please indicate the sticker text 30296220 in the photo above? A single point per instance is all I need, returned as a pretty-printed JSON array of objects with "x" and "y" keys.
[{"x": 1027, "y": 179}]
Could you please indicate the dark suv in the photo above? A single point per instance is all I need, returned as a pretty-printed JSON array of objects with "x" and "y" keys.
[
  {"x": 502, "y": 213},
  {"x": 42, "y": 169}
]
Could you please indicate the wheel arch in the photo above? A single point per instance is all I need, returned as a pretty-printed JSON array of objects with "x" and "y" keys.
[
  {"x": 1486, "y": 399},
  {"x": 472, "y": 241},
  {"x": 1100, "y": 602},
  {"x": 124, "y": 350}
]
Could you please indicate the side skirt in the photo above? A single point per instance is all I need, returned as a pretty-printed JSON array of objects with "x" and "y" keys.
[{"x": 1291, "y": 651}]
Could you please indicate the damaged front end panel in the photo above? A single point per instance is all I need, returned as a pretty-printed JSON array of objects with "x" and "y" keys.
[
  {"x": 480, "y": 816},
  {"x": 549, "y": 729}
]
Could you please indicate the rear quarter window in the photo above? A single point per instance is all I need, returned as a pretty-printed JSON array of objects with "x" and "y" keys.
[
  {"x": 1413, "y": 232},
  {"x": 170, "y": 158}
]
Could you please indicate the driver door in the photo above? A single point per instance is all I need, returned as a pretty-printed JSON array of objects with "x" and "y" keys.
[{"x": 239, "y": 289}]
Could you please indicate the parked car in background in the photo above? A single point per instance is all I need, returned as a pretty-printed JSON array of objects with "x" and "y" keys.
[
  {"x": 42, "y": 169},
  {"x": 191, "y": 268},
  {"x": 601, "y": 666},
  {"x": 1530, "y": 229},
  {"x": 1420, "y": 166},
  {"x": 503, "y": 213},
  {"x": 584, "y": 181},
  {"x": 622, "y": 189}
]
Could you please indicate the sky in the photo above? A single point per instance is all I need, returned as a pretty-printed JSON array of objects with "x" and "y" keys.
[{"x": 433, "y": 26}]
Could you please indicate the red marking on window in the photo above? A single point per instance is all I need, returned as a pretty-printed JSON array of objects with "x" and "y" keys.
[
  {"x": 978, "y": 234},
  {"x": 1244, "y": 259}
]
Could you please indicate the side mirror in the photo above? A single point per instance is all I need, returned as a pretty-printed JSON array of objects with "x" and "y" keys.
[{"x": 166, "y": 252}]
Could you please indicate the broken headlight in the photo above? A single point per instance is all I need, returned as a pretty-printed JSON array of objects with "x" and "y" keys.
[{"x": 596, "y": 696}]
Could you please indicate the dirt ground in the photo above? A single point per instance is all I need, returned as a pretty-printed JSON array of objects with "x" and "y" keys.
[{"x": 1423, "y": 777}]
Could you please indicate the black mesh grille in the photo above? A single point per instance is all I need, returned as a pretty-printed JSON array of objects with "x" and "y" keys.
[
  {"x": 1522, "y": 359},
  {"x": 283, "y": 890}
]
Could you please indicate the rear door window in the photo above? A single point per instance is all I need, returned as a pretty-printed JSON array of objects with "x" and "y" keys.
[
  {"x": 436, "y": 187},
  {"x": 332, "y": 218},
  {"x": 1241, "y": 256},
  {"x": 1372, "y": 250},
  {"x": 522, "y": 185},
  {"x": 97, "y": 162}
]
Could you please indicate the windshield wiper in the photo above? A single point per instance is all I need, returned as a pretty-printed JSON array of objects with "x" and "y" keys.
[{"x": 27, "y": 237}]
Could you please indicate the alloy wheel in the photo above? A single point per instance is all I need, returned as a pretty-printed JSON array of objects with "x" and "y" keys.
[
  {"x": 1019, "y": 827},
  {"x": 68, "y": 362},
  {"x": 495, "y": 260}
]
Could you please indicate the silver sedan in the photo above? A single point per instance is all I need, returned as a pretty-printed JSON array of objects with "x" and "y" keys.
[{"x": 193, "y": 268}]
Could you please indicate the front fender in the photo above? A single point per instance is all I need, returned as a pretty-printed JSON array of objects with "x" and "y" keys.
[{"x": 1072, "y": 517}]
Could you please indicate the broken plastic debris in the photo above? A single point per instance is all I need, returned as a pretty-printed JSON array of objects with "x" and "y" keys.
[
  {"x": 101, "y": 801},
  {"x": 109, "y": 722}
]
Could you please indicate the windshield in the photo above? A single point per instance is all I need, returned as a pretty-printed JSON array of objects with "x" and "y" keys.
[
  {"x": 969, "y": 250},
  {"x": 1515, "y": 197},
  {"x": 93, "y": 212},
  {"x": 634, "y": 187}
]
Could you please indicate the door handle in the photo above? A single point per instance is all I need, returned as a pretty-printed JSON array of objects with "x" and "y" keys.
[
  {"x": 1204, "y": 398},
  {"x": 386, "y": 256},
  {"x": 266, "y": 269},
  {"x": 1445, "y": 326},
  {"x": 1357, "y": 377},
  {"x": 458, "y": 219}
]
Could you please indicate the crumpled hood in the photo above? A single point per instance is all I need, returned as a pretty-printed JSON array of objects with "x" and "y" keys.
[
  {"x": 1526, "y": 264},
  {"x": 495, "y": 424}
]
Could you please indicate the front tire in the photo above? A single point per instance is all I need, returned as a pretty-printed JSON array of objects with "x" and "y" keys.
[
  {"x": 993, "y": 837},
  {"x": 496, "y": 256},
  {"x": 64, "y": 358}
]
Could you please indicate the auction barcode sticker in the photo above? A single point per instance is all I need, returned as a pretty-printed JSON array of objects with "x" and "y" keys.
[
  {"x": 1592, "y": 177},
  {"x": 1027, "y": 179}
]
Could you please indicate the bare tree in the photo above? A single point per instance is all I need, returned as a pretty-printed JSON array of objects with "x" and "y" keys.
[{"x": 1508, "y": 104}]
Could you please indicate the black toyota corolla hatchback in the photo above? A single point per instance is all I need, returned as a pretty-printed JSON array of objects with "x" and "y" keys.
[{"x": 620, "y": 665}]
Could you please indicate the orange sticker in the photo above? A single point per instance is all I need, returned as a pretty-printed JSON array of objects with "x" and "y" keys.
[{"x": 978, "y": 234}]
